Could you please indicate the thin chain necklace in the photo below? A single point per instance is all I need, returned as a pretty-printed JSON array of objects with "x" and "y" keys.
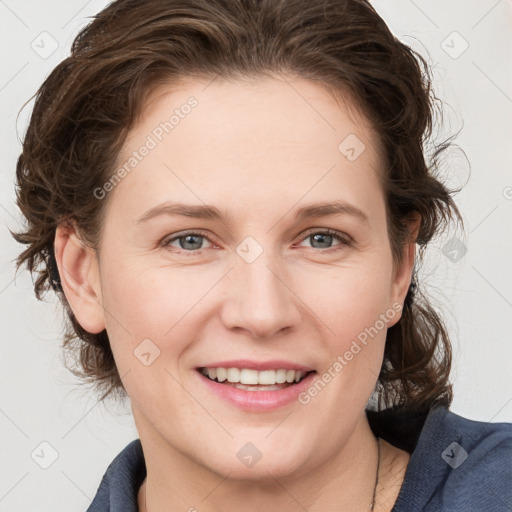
[
  {"x": 376, "y": 477},
  {"x": 374, "y": 489}
]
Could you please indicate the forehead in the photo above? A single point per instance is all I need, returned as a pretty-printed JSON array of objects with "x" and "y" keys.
[
  {"x": 274, "y": 103},
  {"x": 251, "y": 139}
]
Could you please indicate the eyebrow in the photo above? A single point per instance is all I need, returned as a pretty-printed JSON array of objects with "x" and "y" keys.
[{"x": 208, "y": 212}]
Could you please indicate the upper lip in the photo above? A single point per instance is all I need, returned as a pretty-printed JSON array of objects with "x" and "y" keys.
[{"x": 275, "y": 364}]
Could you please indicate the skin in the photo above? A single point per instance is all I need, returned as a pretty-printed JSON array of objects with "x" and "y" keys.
[{"x": 258, "y": 151}]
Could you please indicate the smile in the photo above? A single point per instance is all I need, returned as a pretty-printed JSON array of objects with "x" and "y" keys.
[
  {"x": 254, "y": 390},
  {"x": 249, "y": 379}
]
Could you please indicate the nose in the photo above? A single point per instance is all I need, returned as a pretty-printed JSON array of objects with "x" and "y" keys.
[{"x": 260, "y": 298}]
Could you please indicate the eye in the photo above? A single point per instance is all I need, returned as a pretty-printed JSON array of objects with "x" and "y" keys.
[
  {"x": 323, "y": 238},
  {"x": 189, "y": 243}
]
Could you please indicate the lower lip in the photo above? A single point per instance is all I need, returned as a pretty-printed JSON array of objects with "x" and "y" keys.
[{"x": 258, "y": 400}]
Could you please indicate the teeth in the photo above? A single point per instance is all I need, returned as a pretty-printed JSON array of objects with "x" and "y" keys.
[
  {"x": 249, "y": 376},
  {"x": 222, "y": 374},
  {"x": 253, "y": 377},
  {"x": 233, "y": 374},
  {"x": 266, "y": 377},
  {"x": 280, "y": 376},
  {"x": 258, "y": 388}
]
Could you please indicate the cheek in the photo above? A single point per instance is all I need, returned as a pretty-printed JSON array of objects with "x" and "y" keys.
[
  {"x": 353, "y": 299},
  {"x": 156, "y": 304},
  {"x": 356, "y": 310}
]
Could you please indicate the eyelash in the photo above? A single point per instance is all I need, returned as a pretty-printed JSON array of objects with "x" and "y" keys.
[{"x": 344, "y": 239}]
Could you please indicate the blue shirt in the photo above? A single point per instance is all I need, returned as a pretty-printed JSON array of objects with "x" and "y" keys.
[{"x": 456, "y": 465}]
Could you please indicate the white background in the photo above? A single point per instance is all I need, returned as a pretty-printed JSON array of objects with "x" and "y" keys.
[{"x": 41, "y": 402}]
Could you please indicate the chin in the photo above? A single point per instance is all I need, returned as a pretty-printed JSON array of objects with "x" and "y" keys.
[
  {"x": 257, "y": 458},
  {"x": 264, "y": 472}
]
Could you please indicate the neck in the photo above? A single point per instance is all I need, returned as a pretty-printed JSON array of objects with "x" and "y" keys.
[{"x": 346, "y": 477}]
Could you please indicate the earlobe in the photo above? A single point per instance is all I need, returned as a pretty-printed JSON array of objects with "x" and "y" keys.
[
  {"x": 79, "y": 274},
  {"x": 403, "y": 273}
]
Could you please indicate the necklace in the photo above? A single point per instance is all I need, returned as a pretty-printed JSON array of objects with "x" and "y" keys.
[
  {"x": 374, "y": 489},
  {"x": 376, "y": 476}
]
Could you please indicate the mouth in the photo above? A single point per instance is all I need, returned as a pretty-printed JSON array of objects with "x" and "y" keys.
[{"x": 249, "y": 379}]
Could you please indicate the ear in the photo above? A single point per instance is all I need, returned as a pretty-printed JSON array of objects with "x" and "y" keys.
[
  {"x": 79, "y": 276},
  {"x": 402, "y": 274}
]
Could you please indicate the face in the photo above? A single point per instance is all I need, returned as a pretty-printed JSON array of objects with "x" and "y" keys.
[{"x": 264, "y": 275}]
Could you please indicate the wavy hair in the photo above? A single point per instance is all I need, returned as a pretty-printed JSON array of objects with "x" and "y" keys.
[{"x": 85, "y": 108}]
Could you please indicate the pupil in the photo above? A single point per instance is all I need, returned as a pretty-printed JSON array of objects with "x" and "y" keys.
[
  {"x": 187, "y": 238},
  {"x": 322, "y": 236}
]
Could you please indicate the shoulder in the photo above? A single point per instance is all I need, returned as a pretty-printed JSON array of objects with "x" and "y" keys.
[
  {"x": 478, "y": 456},
  {"x": 459, "y": 464},
  {"x": 471, "y": 443}
]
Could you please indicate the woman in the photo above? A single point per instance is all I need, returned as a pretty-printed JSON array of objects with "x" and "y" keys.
[{"x": 228, "y": 197}]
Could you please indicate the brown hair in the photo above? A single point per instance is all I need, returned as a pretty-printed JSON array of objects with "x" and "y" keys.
[{"x": 87, "y": 105}]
